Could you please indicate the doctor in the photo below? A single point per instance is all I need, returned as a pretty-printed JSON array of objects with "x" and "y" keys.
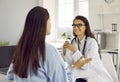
[
  {"x": 35, "y": 60},
  {"x": 84, "y": 44}
]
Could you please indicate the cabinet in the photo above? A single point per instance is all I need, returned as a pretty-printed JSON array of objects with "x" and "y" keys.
[
  {"x": 102, "y": 16},
  {"x": 105, "y": 8},
  {"x": 107, "y": 40}
]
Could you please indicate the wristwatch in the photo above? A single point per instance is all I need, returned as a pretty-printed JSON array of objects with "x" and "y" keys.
[{"x": 109, "y": 1}]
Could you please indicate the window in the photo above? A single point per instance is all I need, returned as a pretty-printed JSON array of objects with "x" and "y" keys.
[
  {"x": 83, "y": 8},
  {"x": 67, "y": 10}
]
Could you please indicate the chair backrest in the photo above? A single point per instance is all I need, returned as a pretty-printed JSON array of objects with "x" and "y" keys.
[
  {"x": 118, "y": 67},
  {"x": 108, "y": 63},
  {"x": 6, "y": 55}
]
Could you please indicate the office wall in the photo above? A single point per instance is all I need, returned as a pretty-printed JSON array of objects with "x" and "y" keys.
[
  {"x": 102, "y": 16},
  {"x": 12, "y": 17},
  {"x": 51, "y": 7}
]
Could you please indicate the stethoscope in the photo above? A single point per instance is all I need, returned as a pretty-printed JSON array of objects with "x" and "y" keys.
[{"x": 75, "y": 39}]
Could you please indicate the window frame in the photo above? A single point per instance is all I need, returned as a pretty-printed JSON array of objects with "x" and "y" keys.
[{"x": 75, "y": 13}]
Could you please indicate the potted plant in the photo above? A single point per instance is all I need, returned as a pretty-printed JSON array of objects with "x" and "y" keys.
[
  {"x": 66, "y": 36},
  {"x": 4, "y": 43}
]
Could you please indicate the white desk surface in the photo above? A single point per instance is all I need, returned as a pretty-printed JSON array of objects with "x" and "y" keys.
[{"x": 3, "y": 78}]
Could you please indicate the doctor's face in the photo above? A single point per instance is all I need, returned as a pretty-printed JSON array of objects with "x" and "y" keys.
[
  {"x": 79, "y": 27},
  {"x": 48, "y": 29}
]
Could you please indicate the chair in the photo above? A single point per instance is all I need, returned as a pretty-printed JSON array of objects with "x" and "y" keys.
[
  {"x": 108, "y": 63},
  {"x": 118, "y": 67}
]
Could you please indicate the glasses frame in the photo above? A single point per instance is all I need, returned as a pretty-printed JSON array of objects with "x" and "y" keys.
[{"x": 77, "y": 25}]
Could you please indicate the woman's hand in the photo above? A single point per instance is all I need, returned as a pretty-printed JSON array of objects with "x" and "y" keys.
[
  {"x": 64, "y": 48},
  {"x": 81, "y": 62},
  {"x": 69, "y": 46}
]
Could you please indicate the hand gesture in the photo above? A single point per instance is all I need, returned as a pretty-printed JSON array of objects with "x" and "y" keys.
[
  {"x": 69, "y": 46},
  {"x": 81, "y": 62}
]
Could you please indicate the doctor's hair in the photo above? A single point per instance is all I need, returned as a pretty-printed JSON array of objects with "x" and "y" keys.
[
  {"x": 88, "y": 31},
  {"x": 31, "y": 42}
]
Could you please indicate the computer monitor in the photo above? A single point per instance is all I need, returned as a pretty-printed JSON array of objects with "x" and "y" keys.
[{"x": 6, "y": 55}]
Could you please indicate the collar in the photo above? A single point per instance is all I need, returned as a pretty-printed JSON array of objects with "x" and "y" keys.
[{"x": 83, "y": 40}]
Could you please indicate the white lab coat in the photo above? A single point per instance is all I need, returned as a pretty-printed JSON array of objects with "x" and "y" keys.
[{"x": 93, "y": 71}]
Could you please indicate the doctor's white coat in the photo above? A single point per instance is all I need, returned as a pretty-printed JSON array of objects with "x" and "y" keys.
[{"x": 95, "y": 69}]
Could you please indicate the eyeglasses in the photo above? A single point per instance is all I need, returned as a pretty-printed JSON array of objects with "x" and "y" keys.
[{"x": 78, "y": 25}]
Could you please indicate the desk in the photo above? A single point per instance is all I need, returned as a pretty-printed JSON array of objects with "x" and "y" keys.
[{"x": 3, "y": 78}]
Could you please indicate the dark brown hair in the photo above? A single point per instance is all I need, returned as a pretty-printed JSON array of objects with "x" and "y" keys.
[
  {"x": 32, "y": 40},
  {"x": 88, "y": 31}
]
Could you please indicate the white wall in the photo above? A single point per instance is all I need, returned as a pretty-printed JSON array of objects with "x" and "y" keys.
[
  {"x": 102, "y": 15},
  {"x": 12, "y": 17},
  {"x": 13, "y": 13},
  {"x": 50, "y": 5}
]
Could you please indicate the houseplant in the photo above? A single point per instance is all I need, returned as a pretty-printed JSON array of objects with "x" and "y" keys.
[{"x": 66, "y": 36}]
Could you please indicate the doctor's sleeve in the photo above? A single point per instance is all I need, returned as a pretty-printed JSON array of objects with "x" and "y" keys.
[
  {"x": 71, "y": 57},
  {"x": 92, "y": 52}
]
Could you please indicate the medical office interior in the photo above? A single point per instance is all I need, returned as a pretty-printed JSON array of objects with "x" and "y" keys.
[{"x": 103, "y": 15}]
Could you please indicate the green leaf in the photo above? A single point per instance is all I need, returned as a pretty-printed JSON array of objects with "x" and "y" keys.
[
  {"x": 68, "y": 37},
  {"x": 64, "y": 34}
]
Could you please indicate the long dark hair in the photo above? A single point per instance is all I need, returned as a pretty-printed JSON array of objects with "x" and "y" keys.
[
  {"x": 88, "y": 31},
  {"x": 31, "y": 41}
]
